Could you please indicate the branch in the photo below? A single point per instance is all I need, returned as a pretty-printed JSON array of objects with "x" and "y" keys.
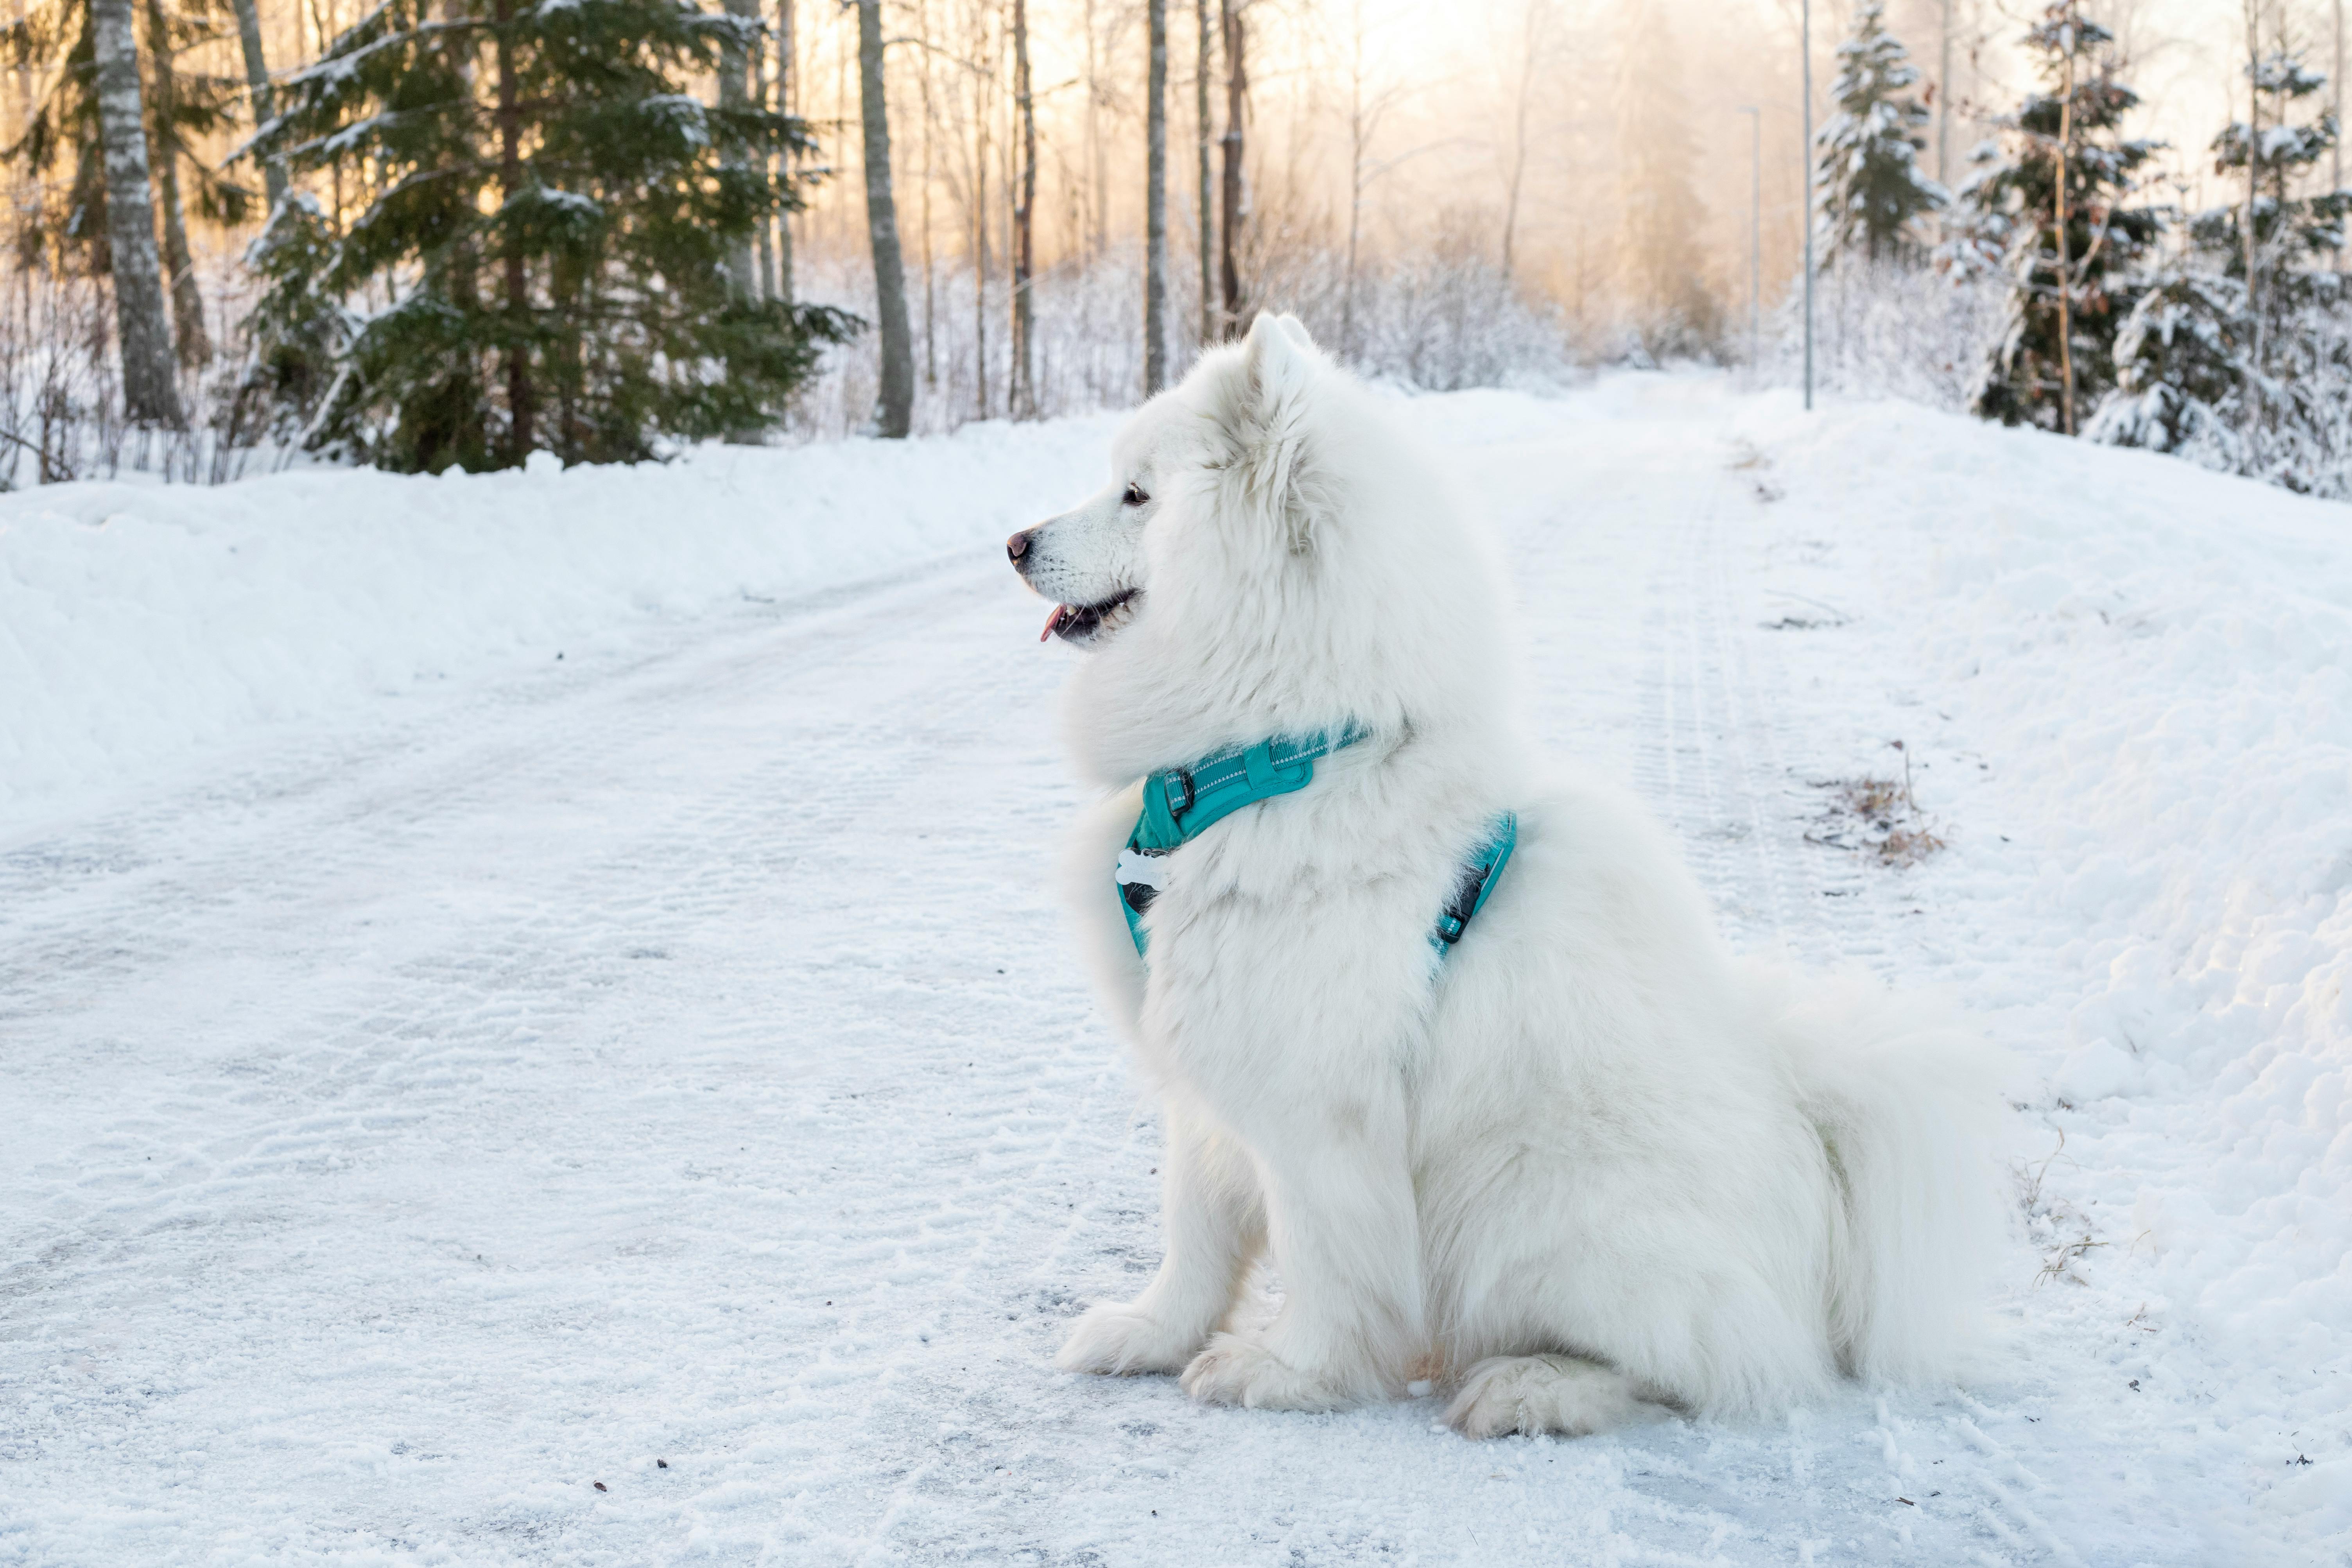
[{"x": 50, "y": 473}]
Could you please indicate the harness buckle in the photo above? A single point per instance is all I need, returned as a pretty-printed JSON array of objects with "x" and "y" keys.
[
  {"x": 1179, "y": 778},
  {"x": 1455, "y": 918}
]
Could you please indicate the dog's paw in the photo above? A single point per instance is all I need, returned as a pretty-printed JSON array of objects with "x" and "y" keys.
[
  {"x": 1238, "y": 1369},
  {"x": 1541, "y": 1393},
  {"x": 1115, "y": 1337}
]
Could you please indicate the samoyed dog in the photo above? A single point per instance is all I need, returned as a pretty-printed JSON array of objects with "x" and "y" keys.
[{"x": 1447, "y": 1036}]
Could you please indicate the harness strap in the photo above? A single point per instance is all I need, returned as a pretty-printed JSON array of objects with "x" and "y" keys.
[
  {"x": 1479, "y": 875},
  {"x": 1180, "y": 803}
]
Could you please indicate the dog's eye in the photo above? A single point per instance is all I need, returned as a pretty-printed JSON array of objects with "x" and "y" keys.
[{"x": 1134, "y": 496}]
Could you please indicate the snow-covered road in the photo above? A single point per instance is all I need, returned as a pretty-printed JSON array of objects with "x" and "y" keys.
[{"x": 644, "y": 1112}]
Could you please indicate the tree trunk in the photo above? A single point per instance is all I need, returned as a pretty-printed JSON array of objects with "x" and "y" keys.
[
  {"x": 1101, "y": 203},
  {"x": 2066, "y": 266},
  {"x": 2254, "y": 205},
  {"x": 1358, "y": 135},
  {"x": 256, "y": 78},
  {"x": 1093, "y": 231},
  {"x": 149, "y": 394},
  {"x": 2253, "y": 139},
  {"x": 188, "y": 332},
  {"x": 194, "y": 343},
  {"x": 1208, "y": 208},
  {"x": 980, "y": 110},
  {"x": 1155, "y": 206},
  {"x": 521, "y": 398},
  {"x": 734, "y": 64},
  {"x": 787, "y": 84},
  {"x": 1531, "y": 50},
  {"x": 1943, "y": 108},
  {"x": 764, "y": 238},
  {"x": 894, "y": 408},
  {"x": 464, "y": 262},
  {"x": 1236, "y": 110},
  {"x": 930, "y": 269},
  {"x": 1024, "y": 209}
]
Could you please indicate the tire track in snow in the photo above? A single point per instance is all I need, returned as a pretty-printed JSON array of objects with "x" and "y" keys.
[
  {"x": 1715, "y": 760},
  {"x": 426, "y": 1036}
]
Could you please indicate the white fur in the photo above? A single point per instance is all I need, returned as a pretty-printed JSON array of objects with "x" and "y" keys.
[{"x": 1588, "y": 1161}]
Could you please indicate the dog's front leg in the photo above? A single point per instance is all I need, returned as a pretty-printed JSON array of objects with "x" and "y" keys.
[
  {"x": 1344, "y": 1232},
  {"x": 1212, "y": 1225}
]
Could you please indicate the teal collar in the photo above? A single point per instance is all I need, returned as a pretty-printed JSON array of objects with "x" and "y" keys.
[{"x": 1181, "y": 803}]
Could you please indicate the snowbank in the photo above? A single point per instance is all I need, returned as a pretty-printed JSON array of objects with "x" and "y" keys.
[
  {"x": 141, "y": 627},
  {"x": 2154, "y": 664}
]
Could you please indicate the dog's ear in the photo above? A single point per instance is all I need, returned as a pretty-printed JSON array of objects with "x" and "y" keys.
[
  {"x": 1267, "y": 422},
  {"x": 1278, "y": 359}
]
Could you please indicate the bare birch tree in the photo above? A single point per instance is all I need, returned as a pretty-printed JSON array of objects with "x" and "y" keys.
[
  {"x": 522, "y": 393},
  {"x": 734, "y": 96},
  {"x": 894, "y": 404},
  {"x": 764, "y": 241},
  {"x": 787, "y": 86},
  {"x": 2064, "y": 156},
  {"x": 1024, "y": 393},
  {"x": 1155, "y": 206},
  {"x": 1535, "y": 24},
  {"x": 149, "y": 394},
  {"x": 1208, "y": 210},
  {"x": 982, "y": 78},
  {"x": 256, "y": 78},
  {"x": 1365, "y": 113},
  {"x": 930, "y": 139},
  {"x": 1234, "y": 195},
  {"x": 163, "y": 148},
  {"x": 2253, "y": 225}
]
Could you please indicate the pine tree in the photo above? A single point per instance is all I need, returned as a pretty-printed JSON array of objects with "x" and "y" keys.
[
  {"x": 2070, "y": 244},
  {"x": 1873, "y": 189},
  {"x": 2287, "y": 229},
  {"x": 552, "y": 214},
  {"x": 2227, "y": 357}
]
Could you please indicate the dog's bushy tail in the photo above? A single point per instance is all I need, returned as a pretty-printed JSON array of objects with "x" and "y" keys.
[{"x": 1906, "y": 1101}]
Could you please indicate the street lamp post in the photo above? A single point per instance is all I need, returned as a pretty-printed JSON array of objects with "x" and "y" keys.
[{"x": 1755, "y": 237}]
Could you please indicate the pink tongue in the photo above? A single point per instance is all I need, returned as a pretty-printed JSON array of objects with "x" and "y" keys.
[{"x": 1052, "y": 620}]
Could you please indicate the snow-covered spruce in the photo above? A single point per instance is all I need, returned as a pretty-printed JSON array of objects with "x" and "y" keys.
[{"x": 1873, "y": 192}]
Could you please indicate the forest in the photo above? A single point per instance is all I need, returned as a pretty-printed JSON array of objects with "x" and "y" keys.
[{"x": 249, "y": 234}]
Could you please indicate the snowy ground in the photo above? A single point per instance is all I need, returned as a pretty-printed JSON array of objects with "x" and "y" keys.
[{"x": 446, "y": 1079}]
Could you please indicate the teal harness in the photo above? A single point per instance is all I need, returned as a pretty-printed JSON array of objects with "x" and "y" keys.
[{"x": 1181, "y": 803}]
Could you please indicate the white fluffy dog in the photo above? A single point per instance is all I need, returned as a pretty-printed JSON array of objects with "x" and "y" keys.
[{"x": 1581, "y": 1165}]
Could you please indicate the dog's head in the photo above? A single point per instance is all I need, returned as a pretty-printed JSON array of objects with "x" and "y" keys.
[{"x": 1273, "y": 554}]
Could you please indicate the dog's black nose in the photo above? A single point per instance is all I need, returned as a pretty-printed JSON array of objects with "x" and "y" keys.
[{"x": 1017, "y": 548}]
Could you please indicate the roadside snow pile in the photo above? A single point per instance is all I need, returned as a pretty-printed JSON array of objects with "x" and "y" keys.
[
  {"x": 2155, "y": 665},
  {"x": 139, "y": 625}
]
